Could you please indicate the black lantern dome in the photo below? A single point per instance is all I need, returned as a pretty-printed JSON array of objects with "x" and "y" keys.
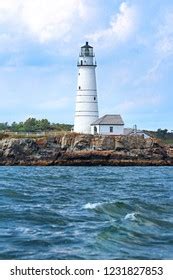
[{"x": 87, "y": 50}]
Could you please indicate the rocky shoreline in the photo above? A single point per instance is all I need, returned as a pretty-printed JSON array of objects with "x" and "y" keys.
[{"x": 87, "y": 150}]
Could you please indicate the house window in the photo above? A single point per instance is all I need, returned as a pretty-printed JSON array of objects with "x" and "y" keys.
[
  {"x": 81, "y": 62},
  {"x": 94, "y": 98},
  {"x": 111, "y": 128},
  {"x": 95, "y": 129}
]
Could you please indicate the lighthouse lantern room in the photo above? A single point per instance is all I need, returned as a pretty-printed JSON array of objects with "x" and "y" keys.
[{"x": 86, "y": 100}]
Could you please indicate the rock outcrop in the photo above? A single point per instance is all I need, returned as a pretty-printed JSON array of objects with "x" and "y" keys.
[{"x": 81, "y": 149}]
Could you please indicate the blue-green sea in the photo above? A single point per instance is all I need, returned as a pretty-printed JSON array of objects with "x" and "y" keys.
[{"x": 86, "y": 213}]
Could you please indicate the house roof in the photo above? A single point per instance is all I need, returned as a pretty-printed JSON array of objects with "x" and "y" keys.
[{"x": 109, "y": 120}]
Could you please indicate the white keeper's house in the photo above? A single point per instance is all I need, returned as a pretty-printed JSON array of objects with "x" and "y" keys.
[
  {"x": 86, "y": 113},
  {"x": 108, "y": 124}
]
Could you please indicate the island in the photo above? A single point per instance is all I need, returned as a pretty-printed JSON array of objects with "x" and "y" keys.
[{"x": 77, "y": 149}]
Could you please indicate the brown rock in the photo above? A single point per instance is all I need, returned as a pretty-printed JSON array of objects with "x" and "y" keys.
[{"x": 80, "y": 149}]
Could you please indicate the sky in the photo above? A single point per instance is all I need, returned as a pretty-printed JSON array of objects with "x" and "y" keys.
[{"x": 40, "y": 42}]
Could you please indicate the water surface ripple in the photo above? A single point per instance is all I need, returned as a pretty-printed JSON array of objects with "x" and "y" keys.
[{"x": 86, "y": 213}]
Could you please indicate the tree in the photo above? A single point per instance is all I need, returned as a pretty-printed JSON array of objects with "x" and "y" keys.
[
  {"x": 34, "y": 125},
  {"x": 161, "y": 133},
  {"x": 30, "y": 125},
  {"x": 4, "y": 126},
  {"x": 44, "y": 124}
]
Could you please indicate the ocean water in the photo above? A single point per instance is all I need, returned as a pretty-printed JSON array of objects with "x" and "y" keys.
[{"x": 86, "y": 213}]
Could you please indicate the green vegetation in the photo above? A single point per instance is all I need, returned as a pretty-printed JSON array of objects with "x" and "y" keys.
[
  {"x": 162, "y": 134},
  {"x": 34, "y": 125},
  {"x": 3, "y": 126}
]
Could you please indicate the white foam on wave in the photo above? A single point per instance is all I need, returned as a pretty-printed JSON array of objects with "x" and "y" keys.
[
  {"x": 92, "y": 205},
  {"x": 131, "y": 216}
]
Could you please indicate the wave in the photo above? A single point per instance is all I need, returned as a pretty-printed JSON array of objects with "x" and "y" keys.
[
  {"x": 115, "y": 209},
  {"x": 92, "y": 205},
  {"x": 119, "y": 206},
  {"x": 110, "y": 207},
  {"x": 131, "y": 216}
]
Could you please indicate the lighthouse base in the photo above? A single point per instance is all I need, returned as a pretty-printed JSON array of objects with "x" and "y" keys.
[{"x": 83, "y": 124}]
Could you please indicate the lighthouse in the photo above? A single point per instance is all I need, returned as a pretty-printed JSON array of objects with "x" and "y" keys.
[{"x": 86, "y": 100}]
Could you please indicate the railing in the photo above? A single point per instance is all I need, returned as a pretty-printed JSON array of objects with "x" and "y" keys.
[{"x": 82, "y": 64}]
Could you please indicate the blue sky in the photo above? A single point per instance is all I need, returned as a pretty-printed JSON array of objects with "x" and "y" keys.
[{"x": 133, "y": 41}]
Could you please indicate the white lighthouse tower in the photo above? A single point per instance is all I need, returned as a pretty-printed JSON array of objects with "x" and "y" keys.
[{"x": 86, "y": 101}]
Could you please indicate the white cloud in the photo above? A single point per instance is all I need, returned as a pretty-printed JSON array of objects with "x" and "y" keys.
[
  {"x": 9, "y": 10},
  {"x": 164, "y": 44},
  {"x": 122, "y": 26},
  {"x": 161, "y": 48},
  {"x": 50, "y": 19},
  {"x": 44, "y": 19}
]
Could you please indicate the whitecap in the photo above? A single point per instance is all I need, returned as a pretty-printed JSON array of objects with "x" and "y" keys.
[
  {"x": 92, "y": 205},
  {"x": 131, "y": 216}
]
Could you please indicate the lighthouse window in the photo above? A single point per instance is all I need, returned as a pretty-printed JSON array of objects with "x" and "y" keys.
[
  {"x": 111, "y": 128},
  {"x": 79, "y": 87},
  {"x": 94, "y": 98},
  {"x": 81, "y": 62}
]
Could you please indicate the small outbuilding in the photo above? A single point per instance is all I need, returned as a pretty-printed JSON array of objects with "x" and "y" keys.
[
  {"x": 108, "y": 125},
  {"x": 135, "y": 131}
]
